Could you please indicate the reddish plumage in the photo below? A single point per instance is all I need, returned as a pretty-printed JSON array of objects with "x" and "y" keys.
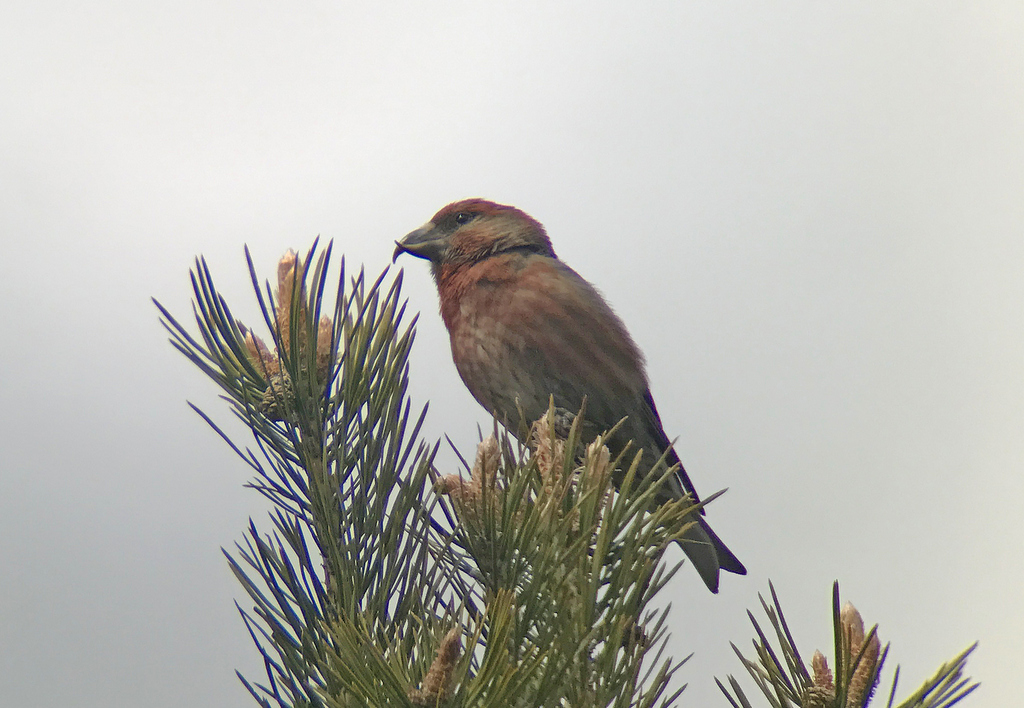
[{"x": 525, "y": 327}]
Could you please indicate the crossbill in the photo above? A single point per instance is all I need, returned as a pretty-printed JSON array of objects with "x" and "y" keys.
[{"x": 525, "y": 327}]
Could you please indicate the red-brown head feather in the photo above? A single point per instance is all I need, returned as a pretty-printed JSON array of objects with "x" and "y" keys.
[
  {"x": 480, "y": 229},
  {"x": 475, "y": 205}
]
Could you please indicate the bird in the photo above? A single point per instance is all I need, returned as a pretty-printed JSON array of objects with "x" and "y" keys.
[{"x": 525, "y": 328}]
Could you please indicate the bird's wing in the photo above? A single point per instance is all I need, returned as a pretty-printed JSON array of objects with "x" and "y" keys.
[
  {"x": 654, "y": 428},
  {"x": 581, "y": 347},
  {"x": 573, "y": 345}
]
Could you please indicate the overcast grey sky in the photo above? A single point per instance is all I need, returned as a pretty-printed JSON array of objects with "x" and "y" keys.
[{"x": 809, "y": 214}]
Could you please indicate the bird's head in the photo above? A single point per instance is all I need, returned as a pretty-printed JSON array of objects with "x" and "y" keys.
[{"x": 472, "y": 230}]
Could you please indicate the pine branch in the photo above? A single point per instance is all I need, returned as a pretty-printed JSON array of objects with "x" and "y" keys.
[
  {"x": 858, "y": 659},
  {"x": 382, "y": 582}
]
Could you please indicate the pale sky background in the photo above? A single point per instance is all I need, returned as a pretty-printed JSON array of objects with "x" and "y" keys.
[{"x": 809, "y": 214}]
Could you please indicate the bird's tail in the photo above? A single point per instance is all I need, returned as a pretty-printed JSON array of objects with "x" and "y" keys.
[{"x": 708, "y": 554}]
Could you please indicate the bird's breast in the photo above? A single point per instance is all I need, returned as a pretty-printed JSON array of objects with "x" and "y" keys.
[
  {"x": 490, "y": 309},
  {"x": 487, "y": 343}
]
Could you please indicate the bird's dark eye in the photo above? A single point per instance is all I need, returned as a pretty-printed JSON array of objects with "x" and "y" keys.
[{"x": 463, "y": 217}]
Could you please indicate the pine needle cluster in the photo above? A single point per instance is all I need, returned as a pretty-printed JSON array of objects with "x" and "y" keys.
[{"x": 784, "y": 679}]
